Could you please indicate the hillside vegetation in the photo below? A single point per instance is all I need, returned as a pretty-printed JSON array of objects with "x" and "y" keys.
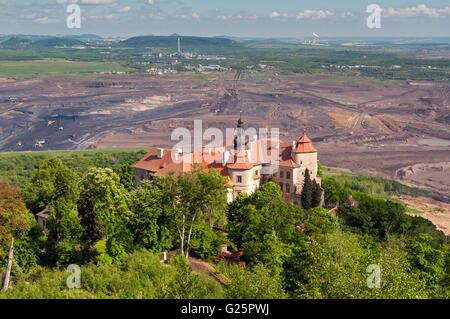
[
  {"x": 171, "y": 42},
  {"x": 99, "y": 221},
  {"x": 20, "y": 43}
]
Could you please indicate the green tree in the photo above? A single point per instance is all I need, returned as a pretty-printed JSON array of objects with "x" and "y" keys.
[
  {"x": 15, "y": 233},
  {"x": 103, "y": 210},
  {"x": 255, "y": 283},
  {"x": 357, "y": 221},
  {"x": 126, "y": 175},
  {"x": 150, "y": 225},
  {"x": 320, "y": 222},
  {"x": 205, "y": 242},
  {"x": 54, "y": 185},
  {"x": 264, "y": 226},
  {"x": 427, "y": 261},
  {"x": 214, "y": 196},
  {"x": 307, "y": 191},
  {"x": 189, "y": 196},
  {"x": 334, "y": 192},
  {"x": 316, "y": 197},
  {"x": 334, "y": 267}
]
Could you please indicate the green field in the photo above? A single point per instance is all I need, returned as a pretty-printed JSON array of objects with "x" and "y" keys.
[
  {"x": 375, "y": 186},
  {"x": 20, "y": 70}
]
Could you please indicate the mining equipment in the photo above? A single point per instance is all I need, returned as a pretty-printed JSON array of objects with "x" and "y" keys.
[
  {"x": 13, "y": 99},
  {"x": 39, "y": 144}
]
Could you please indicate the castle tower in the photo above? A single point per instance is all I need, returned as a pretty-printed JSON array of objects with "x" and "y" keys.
[
  {"x": 305, "y": 154},
  {"x": 240, "y": 141}
]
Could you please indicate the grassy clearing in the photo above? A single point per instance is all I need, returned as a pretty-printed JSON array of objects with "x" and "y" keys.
[
  {"x": 20, "y": 70},
  {"x": 413, "y": 211},
  {"x": 375, "y": 186}
]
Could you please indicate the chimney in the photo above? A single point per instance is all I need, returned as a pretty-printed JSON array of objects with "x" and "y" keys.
[
  {"x": 180, "y": 151},
  {"x": 224, "y": 248},
  {"x": 160, "y": 152},
  {"x": 293, "y": 144}
]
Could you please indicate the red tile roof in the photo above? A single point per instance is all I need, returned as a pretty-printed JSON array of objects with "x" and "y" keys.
[
  {"x": 241, "y": 161},
  {"x": 351, "y": 201},
  {"x": 213, "y": 158},
  {"x": 304, "y": 145}
]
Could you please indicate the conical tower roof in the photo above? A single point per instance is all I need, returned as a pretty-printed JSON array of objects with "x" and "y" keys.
[{"x": 304, "y": 145}]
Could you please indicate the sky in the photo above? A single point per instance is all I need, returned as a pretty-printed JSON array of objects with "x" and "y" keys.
[{"x": 238, "y": 18}]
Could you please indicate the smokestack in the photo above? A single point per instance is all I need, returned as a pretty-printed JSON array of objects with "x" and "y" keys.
[
  {"x": 160, "y": 152},
  {"x": 179, "y": 46}
]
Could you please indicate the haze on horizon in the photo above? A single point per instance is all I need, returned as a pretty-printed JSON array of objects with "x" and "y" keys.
[{"x": 250, "y": 18}]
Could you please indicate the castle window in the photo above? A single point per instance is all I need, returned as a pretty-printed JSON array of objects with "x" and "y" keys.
[
  {"x": 288, "y": 188},
  {"x": 256, "y": 172},
  {"x": 239, "y": 179},
  {"x": 288, "y": 175},
  {"x": 281, "y": 174},
  {"x": 281, "y": 186}
]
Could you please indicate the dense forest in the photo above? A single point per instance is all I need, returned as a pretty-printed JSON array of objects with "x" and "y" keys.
[{"x": 98, "y": 220}]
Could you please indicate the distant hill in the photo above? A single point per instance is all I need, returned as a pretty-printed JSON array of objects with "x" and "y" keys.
[
  {"x": 57, "y": 42},
  {"x": 20, "y": 43},
  {"x": 172, "y": 42},
  {"x": 84, "y": 37},
  {"x": 16, "y": 43}
]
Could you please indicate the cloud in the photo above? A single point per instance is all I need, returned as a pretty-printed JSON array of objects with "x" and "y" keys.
[
  {"x": 314, "y": 14},
  {"x": 224, "y": 17},
  {"x": 87, "y": 1},
  {"x": 151, "y": 2},
  {"x": 274, "y": 14},
  {"x": 46, "y": 20},
  {"x": 125, "y": 9},
  {"x": 110, "y": 17},
  {"x": 193, "y": 16},
  {"x": 420, "y": 10},
  {"x": 28, "y": 15}
]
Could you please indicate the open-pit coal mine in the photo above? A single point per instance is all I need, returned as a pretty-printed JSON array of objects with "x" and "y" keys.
[{"x": 366, "y": 127}]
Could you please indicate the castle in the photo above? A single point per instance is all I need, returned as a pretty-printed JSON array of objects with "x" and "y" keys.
[{"x": 243, "y": 163}]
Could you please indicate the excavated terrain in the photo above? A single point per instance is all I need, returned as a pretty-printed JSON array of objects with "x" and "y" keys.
[{"x": 368, "y": 127}]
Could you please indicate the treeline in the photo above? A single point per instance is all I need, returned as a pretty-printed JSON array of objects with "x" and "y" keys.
[
  {"x": 290, "y": 251},
  {"x": 17, "y": 168}
]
